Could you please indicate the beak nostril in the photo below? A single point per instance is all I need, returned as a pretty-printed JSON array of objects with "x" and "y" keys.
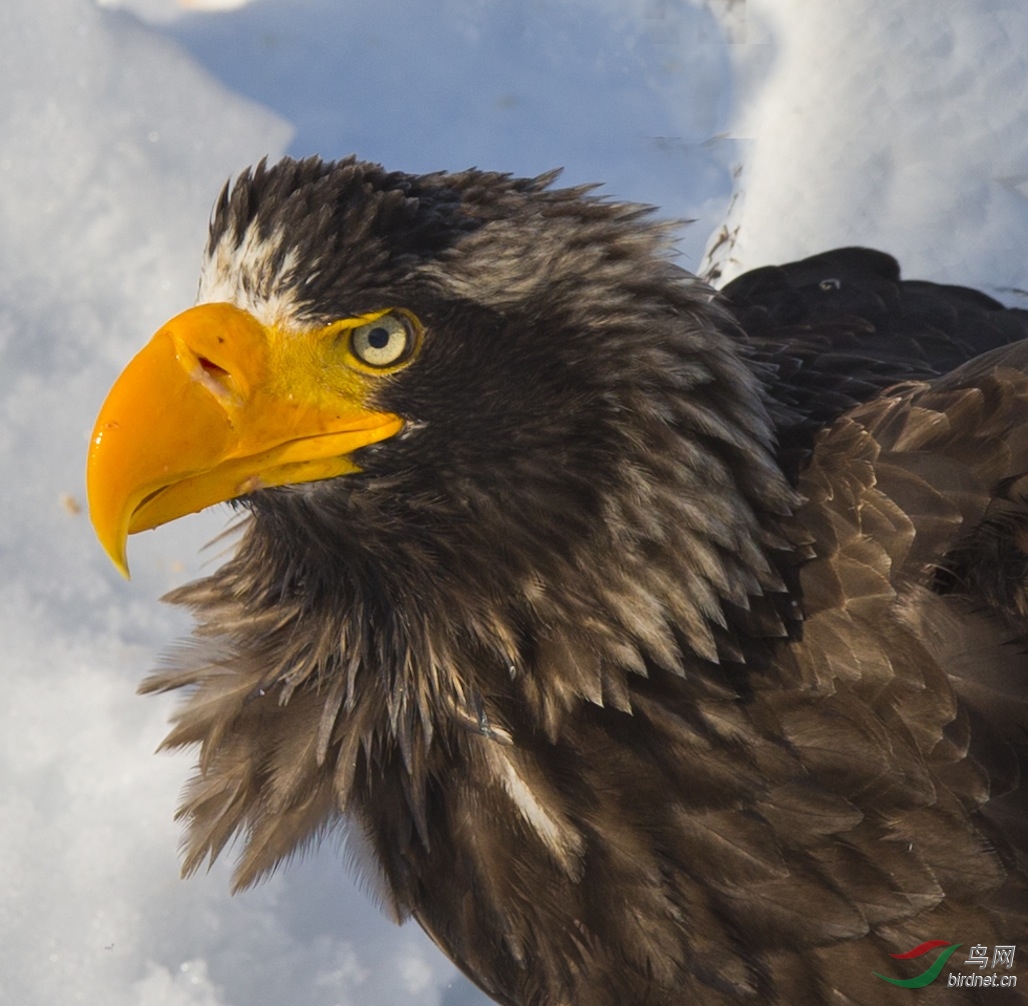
[
  {"x": 215, "y": 378},
  {"x": 211, "y": 368}
]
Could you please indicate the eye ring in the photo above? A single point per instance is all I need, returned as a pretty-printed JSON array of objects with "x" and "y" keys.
[{"x": 385, "y": 342}]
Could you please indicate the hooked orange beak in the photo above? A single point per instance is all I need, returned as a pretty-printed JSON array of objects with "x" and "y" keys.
[{"x": 217, "y": 405}]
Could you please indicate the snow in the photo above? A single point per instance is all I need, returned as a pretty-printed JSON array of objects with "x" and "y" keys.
[
  {"x": 852, "y": 121},
  {"x": 888, "y": 124}
]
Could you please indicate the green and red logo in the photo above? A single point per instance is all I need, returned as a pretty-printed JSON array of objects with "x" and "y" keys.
[{"x": 926, "y": 977}]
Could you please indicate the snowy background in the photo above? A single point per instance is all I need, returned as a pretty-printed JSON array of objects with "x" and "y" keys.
[{"x": 786, "y": 125}]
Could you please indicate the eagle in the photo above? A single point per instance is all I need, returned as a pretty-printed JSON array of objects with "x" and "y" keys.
[{"x": 649, "y": 644}]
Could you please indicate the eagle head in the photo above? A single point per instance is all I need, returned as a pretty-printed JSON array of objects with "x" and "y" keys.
[{"x": 503, "y": 467}]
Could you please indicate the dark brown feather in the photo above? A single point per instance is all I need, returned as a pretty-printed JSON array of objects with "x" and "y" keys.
[{"x": 656, "y": 662}]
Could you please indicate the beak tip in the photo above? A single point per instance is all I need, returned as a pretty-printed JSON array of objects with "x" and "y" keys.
[
  {"x": 118, "y": 559},
  {"x": 113, "y": 538}
]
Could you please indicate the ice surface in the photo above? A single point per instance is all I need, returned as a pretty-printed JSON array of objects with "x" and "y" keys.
[{"x": 860, "y": 121}]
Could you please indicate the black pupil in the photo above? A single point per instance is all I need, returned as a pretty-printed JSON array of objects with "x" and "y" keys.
[{"x": 378, "y": 338}]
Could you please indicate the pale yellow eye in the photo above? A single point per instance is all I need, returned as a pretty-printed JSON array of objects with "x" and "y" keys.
[{"x": 383, "y": 342}]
